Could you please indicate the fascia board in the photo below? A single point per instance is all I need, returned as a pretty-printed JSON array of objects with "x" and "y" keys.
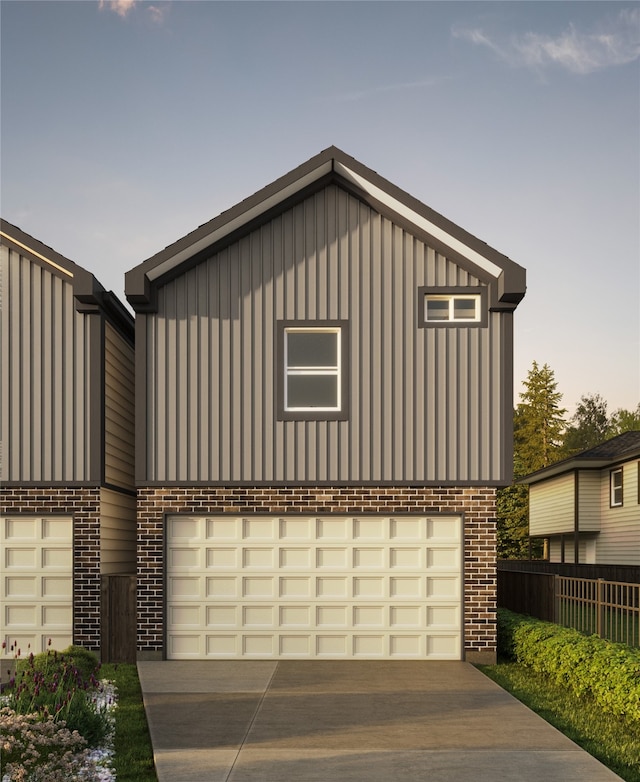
[
  {"x": 418, "y": 220},
  {"x": 218, "y": 230}
]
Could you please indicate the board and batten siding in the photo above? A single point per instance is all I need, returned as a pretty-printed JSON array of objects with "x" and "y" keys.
[
  {"x": 619, "y": 539},
  {"x": 47, "y": 422},
  {"x": 117, "y": 532},
  {"x": 426, "y": 404},
  {"x": 119, "y": 410}
]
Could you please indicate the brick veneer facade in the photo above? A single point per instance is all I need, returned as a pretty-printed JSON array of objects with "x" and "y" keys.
[
  {"x": 84, "y": 505},
  {"x": 476, "y": 503}
]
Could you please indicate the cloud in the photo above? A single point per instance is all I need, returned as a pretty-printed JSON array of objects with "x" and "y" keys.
[
  {"x": 407, "y": 85},
  {"x": 120, "y": 7},
  {"x": 123, "y": 7},
  {"x": 615, "y": 42}
]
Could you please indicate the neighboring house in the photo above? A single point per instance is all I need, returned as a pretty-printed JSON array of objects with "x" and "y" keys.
[
  {"x": 588, "y": 506},
  {"x": 67, "y": 494},
  {"x": 324, "y": 413}
]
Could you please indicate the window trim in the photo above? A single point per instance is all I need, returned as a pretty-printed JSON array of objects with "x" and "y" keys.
[
  {"x": 312, "y": 414},
  {"x": 452, "y": 292},
  {"x": 614, "y": 488}
]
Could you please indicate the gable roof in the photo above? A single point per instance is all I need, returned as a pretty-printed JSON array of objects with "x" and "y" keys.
[
  {"x": 506, "y": 277},
  {"x": 89, "y": 294},
  {"x": 618, "y": 449}
]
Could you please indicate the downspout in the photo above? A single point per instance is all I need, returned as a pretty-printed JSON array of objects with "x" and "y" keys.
[{"x": 576, "y": 518}]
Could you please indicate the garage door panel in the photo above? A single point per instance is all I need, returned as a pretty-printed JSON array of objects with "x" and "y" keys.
[
  {"x": 333, "y": 586},
  {"x": 36, "y": 586}
]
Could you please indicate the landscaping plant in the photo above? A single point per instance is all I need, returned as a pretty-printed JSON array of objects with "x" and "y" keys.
[
  {"x": 587, "y": 665},
  {"x": 59, "y": 686}
]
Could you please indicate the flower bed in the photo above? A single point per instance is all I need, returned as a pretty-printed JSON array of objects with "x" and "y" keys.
[{"x": 56, "y": 720}]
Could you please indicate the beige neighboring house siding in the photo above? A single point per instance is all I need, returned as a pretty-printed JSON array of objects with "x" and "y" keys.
[
  {"x": 619, "y": 541},
  {"x": 45, "y": 344},
  {"x": 119, "y": 410},
  {"x": 589, "y": 501},
  {"x": 117, "y": 532},
  {"x": 552, "y": 506},
  {"x": 587, "y": 550}
]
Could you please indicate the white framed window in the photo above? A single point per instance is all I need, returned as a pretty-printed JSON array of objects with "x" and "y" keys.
[
  {"x": 451, "y": 307},
  {"x": 615, "y": 488},
  {"x": 312, "y": 370}
]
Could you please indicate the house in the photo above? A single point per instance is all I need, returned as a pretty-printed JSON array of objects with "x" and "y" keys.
[
  {"x": 67, "y": 494},
  {"x": 588, "y": 506},
  {"x": 323, "y": 416}
]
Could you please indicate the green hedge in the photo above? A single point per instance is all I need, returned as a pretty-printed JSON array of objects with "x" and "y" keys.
[{"x": 586, "y": 665}]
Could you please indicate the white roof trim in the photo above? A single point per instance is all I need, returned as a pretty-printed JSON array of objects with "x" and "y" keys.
[
  {"x": 238, "y": 222},
  {"x": 418, "y": 220}
]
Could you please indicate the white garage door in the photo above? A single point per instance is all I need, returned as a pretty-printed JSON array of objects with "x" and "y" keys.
[
  {"x": 314, "y": 587},
  {"x": 37, "y": 583}
]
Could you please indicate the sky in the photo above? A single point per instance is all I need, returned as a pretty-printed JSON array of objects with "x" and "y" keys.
[{"x": 124, "y": 125}]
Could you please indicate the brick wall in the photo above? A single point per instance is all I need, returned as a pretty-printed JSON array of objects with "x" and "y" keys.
[
  {"x": 476, "y": 503},
  {"x": 84, "y": 505}
]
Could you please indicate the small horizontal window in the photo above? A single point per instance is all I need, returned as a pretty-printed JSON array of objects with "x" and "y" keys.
[
  {"x": 615, "y": 482},
  {"x": 451, "y": 307}
]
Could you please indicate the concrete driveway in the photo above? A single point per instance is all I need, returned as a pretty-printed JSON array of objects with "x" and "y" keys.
[{"x": 341, "y": 721}]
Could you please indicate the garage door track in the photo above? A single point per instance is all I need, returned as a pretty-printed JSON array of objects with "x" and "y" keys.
[{"x": 337, "y": 721}]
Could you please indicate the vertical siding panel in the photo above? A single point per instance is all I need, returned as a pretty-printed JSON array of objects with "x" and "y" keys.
[
  {"x": 397, "y": 354},
  {"x": 361, "y": 363},
  {"x": 495, "y": 423},
  {"x": 236, "y": 256},
  {"x": 419, "y": 379},
  {"x": 407, "y": 321},
  {"x": 279, "y": 314},
  {"x": 375, "y": 375},
  {"x": 352, "y": 432},
  {"x": 452, "y": 405},
  {"x": 225, "y": 367},
  {"x": 266, "y": 342},
  {"x": 202, "y": 420},
  {"x": 5, "y": 417},
  {"x": 214, "y": 433},
  {"x": 80, "y": 383},
  {"x": 70, "y": 392},
  {"x": 15, "y": 374},
  {"x": 462, "y": 471},
  {"x": 193, "y": 422},
  {"x": 47, "y": 354},
  {"x": 248, "y": 355},
  {"x": 58, "y": 378},
  {"x": 25, "y": 351},
  {"x": 168, "y": 413},
  {"x": 253, "y": 302},
  {"x": 387, "y": 349},
  {"x": 181, "y": 411}
]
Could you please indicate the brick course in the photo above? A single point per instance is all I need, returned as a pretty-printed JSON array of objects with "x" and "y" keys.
[
  {"x": 476, "y": 503},
  {"x": 84, "y": 505}
]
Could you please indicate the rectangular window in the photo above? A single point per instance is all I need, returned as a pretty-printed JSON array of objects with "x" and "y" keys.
[
  {"x": 615, "y": 483},
  {"x": 451, "y": 307},
  {"x": 312, "y": 373}
]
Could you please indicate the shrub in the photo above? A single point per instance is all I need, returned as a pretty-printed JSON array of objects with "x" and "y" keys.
[
  {"x": 586, "y": 665},
  {"x": 60, "y": 685},
  {"x": 40, "y": 750}
]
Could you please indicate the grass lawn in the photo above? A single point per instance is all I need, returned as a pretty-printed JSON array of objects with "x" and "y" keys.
[
  {"x": 133, "y": 761},
  {"x": 613, "y": 741}
]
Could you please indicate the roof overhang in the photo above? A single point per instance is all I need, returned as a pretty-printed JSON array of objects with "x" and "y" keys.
[
  {"x": 331, "y": 165},
  {"x": 578, "y": 463}
]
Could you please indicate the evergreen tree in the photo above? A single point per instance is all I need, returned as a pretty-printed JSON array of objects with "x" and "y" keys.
[
  {"x": 538, "y": 427},
  {"x": 539, "y": 421},
  {"x": 589, "y": 425}
]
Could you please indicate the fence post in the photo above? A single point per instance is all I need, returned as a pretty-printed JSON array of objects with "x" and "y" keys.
[
  {"x": 600, "y": 607},
  {"x": 556, "y": 599}
]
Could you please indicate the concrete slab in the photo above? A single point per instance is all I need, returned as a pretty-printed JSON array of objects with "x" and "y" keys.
[{"x": 348, "y": 721}]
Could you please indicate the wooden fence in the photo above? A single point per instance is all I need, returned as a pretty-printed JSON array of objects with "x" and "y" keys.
[
  {"x": 119, "y": 627},
  {"x": 609, "y": 609},
  {"x": 628, "y": 574}
]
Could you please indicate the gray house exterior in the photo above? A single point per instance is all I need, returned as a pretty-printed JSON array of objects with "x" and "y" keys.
[
  {"x": 588, "y": 506},
  {"x": 323, "y": 415},
  {"x": 67, "y": 492}
]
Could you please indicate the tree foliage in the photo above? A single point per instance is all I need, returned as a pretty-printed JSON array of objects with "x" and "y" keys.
[
  {"x": 538, "y": 426},
  {"x": 592, "y": 425}
]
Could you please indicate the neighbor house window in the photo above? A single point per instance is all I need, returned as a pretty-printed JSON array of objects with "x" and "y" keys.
[
  {"x": 451, "y": 307},
  {"x": 313, "y": 370},
  {"x": 615, "y": 479}
]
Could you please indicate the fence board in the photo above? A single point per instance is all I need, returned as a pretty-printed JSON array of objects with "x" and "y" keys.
[
  {"x": 527, "y": 593},
  {"x": 118, "y": 634}
]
